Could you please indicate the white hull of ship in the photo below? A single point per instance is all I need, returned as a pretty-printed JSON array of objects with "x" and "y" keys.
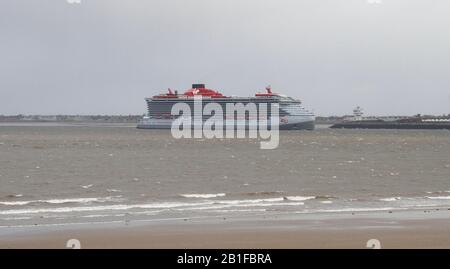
[{"x": 285, "y": 123}]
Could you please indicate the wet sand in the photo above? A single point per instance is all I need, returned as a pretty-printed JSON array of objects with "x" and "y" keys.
[{"x": 393, "y": 230}]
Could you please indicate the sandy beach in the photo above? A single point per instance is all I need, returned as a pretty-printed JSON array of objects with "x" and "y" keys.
[{"x": 419, "y": 229}]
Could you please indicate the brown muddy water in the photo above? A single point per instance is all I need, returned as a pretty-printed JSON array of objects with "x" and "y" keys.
[{"x": 74, "y": 174}]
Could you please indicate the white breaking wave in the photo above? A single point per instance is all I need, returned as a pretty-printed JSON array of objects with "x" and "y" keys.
[
  {"x": 221, "y": 206},
  {"x": 238, "y": 210},
  {"x": 96, "y": 208},
  {"x": 393, "y": 199},
  {"x": 63, "y": 201},
  {"x": 211, "y": 204},
  {"x": 249, "y": 201},
  {"x": 17, "y": 218},
  {"x": 15, "y": 203},
  {"x": 390, "y": 199},
  {"x": 96, "y": 216},
  {"x": 113, "y": 190},
  {"x": 204, "y": 196},
  {"x": 438, "y": 197},
  {"x": 358, "y": 209},
  {"x": 300, "y": 198}
]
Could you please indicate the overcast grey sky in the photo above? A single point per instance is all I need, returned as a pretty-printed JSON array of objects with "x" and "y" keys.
[{"x": 105, "y": 56}]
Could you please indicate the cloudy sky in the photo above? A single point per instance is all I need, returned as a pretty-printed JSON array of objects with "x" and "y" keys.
[{"x": 105, "y": 56}]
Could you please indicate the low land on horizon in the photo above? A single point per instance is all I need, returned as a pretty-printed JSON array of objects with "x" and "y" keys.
[
  {"x": 129, "y": 118},
  {"x": 72, "y": 118}
]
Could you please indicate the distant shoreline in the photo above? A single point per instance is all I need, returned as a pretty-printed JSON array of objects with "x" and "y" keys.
[
  {"x": 109, "y": 119},
  {"x": 131, "y": 119},
  {"x": 71, "y": 118}
]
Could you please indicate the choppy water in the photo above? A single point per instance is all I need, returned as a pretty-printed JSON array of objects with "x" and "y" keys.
[{"x": 61, "y": 174}]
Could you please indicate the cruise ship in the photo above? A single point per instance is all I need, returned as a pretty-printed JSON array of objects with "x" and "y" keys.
[{"x": 292, "y": 115}]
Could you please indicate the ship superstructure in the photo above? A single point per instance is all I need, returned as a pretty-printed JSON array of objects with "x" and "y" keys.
[{"x": 292, "y": 115}]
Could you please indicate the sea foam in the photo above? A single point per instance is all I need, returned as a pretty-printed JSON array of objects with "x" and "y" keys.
[
  {"x": 63, "y": 201},
  {"x": 438, "y": 197},
  {"x": 204, "y": 196}
]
